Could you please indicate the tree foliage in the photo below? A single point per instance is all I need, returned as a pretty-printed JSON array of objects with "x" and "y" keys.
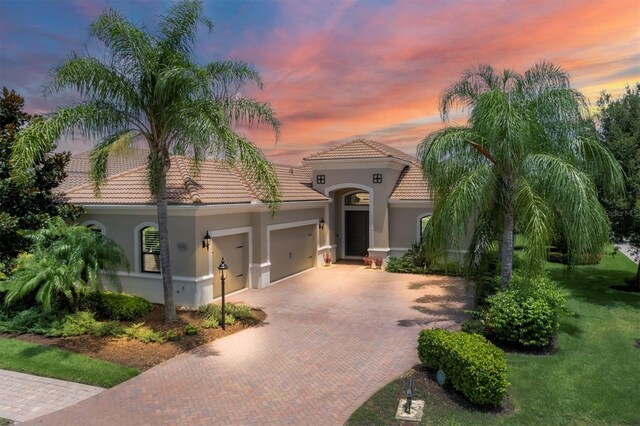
[
  {"x": 25, "y": 206},
  {"x": 619, "y": 121},
  {"x": 523, "y": 163},
  {"x": 149, "y": 88},
  {"x": 65, "y": 261}
]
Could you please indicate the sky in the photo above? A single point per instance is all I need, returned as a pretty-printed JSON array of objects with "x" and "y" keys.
[{"x": 336, "y": 70}]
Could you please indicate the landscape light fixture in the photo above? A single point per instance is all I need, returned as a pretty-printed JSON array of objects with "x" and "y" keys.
[
  {"x": 223, "y": 275},
  {"x": 321, "y": 224},
  {"x": 206, "y": 241}
]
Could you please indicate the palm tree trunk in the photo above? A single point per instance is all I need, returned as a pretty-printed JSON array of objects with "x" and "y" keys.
[
  {"x": 165, "y": 254},
  {"x": 507, "y": 249}
]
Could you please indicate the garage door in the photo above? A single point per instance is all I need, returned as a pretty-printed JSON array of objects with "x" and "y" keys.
[
  {"x": 292, "y": 250},
  {"x": 234, "y": 249}
]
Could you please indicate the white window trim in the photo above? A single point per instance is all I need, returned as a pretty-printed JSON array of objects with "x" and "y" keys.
[
  {"x": 102, "y": 228},
  {"x": 137, "y": 247}
]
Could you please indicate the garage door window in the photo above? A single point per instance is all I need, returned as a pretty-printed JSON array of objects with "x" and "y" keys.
[{"x": 150, "y": 238}]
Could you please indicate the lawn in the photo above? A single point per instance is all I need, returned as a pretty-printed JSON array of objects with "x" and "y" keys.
[
  {"x": 48, "y": 361},
  {"x": 592, "y": 379}
]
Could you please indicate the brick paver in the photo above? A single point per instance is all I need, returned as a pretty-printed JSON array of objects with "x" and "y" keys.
[
  {"x": 24, "y": 397},
  {"x": 333, "y": 336}
]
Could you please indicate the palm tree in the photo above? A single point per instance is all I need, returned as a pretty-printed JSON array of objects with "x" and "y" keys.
[
  {"x": 149, "y": 88},
  {"x": 64, "y": 261},
  {"x": 526, "y": 161}
]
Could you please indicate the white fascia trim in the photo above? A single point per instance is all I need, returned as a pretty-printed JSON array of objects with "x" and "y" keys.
[
  {"x": 103, "y": 228},
  {"x": 233, "y": 231},
  {"x": 358, "y": 163},
  {"x": 427, "y": 204},
  {"x": 199, "y": 210}
]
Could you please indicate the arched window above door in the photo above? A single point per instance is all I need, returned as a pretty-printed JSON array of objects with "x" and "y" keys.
[{"x": 357, "y": 199}]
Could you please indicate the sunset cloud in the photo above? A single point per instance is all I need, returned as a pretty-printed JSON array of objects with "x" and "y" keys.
[{"x": 335, "y": 70}]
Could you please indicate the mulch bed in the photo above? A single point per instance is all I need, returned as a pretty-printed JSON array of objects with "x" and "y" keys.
[{"x": 133, "y": 353}]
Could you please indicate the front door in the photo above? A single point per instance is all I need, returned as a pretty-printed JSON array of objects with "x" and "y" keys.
[{"x": 357, "y": 232}]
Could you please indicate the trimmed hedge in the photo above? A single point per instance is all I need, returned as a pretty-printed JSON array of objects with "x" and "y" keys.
[{"x": 472, "y": 364}]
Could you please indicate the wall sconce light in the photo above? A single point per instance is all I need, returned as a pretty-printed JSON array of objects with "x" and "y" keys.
[
  {"x": 321, "y": 224},
  {"x": 206, "y": 241}
]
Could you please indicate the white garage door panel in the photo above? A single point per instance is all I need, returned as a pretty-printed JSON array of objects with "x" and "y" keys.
[
  {"x": 234, "y": 249},
  {"x": 292, "y": 250}
]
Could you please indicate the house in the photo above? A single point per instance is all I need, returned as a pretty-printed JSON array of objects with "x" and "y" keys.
[{"x": 356, "y": 199}]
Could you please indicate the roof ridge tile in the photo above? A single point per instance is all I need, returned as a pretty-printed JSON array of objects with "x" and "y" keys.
[{"x": 189, "y": 183}]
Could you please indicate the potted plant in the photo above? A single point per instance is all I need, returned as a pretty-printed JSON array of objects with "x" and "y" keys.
[
  {"x": 377, "y": 260},
  {"x": 368, "y": 261},
  {"x": 327, "y": 258}
]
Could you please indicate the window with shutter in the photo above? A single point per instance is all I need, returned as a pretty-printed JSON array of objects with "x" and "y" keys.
[{"x": 150, "y": 239}]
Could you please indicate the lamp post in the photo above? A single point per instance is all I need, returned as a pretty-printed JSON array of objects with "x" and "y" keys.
[{"x": 222, "y": 268}]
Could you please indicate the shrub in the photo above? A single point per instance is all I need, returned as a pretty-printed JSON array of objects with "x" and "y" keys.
[
  {"x": 190, "y": 330},
  {"x": 142, "y": 333},
  {"x": 229, "y": 319},
  {"x": 210, "y": 323},
  {"x": 528, "y": 313},
  {"x": 415, "y": 261},
  {"x": 474, "y": 326},
  {"x": 471, "y": 364},
  {"x": 171, "y": 335},
  {"x": 239, "y": 312},
  {"x": 118, "y": 306},
  {"x": 33, "y": 320},
  {"x": 211, "y": 311}
]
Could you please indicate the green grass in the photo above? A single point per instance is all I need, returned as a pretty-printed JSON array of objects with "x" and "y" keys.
[
  {"x": 48, "y": 361},
  {"x": 593, "y": 379}
]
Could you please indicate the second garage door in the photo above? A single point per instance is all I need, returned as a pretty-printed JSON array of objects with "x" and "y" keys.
[
  {"x": 234, "y": 250},
  {"x": 292, "y": 250}
]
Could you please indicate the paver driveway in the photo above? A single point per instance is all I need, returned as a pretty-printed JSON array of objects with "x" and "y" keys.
[{"x": 333, "y": 336}]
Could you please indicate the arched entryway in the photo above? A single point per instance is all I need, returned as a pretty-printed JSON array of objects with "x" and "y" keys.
[{"x": 352, "y": 217}]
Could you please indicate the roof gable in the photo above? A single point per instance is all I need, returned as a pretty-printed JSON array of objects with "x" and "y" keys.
[{"x": 361, "y": 149}]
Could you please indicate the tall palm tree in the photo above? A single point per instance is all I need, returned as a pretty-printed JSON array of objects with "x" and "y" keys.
[
  {"x": 149, "y": 88},
  {"x": 527, "y": 160}
]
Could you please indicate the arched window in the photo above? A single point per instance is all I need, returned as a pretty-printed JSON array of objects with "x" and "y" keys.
[
  {"x": 95, "y": 226},
  {"x": 150, "y": 249},
  {"x": 423, "y": 224},
  {"x": 357, "y": 199}
]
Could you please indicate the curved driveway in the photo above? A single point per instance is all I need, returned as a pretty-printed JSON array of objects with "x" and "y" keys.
[{"x": 333, "y": 337}]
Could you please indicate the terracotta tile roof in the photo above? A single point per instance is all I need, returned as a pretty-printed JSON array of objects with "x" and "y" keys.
[
  {"x": 77, "y": 169},
  {"x": 411, "y": 185},
  {"x": 360, "y": 149},
  {"x": 217, "y": 182}
]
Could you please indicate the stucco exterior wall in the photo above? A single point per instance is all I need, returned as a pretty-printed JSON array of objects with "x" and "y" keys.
[{"x": 404, "y": 227}]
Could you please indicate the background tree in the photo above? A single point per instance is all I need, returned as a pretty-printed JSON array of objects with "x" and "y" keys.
[
  {"x": 25, "y": 206},
  {"x": 65, "y": 261},
  {"x": 620, "y": 132},
  {"x": 150, "y": 89},
  {"x": 522, "y": 163}
]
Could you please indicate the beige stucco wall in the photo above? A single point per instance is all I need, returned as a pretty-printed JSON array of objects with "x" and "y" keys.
[{"x": 404, "y": 225}]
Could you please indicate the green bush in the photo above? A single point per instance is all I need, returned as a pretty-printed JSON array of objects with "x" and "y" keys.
[
  {"x": 528, "y": 313},
  {"x": 472, "y": 365},
  {"x": 190, "y": 329},
  {"x": 233, "y": 312},
  {"x": 239, "y": 312},
  {"x": 142, "y": 333},
  {"x": 210, "y": 323},
  {"x": 171, "y": 335},
  {"x": 117, "y": 306},
  {"x": 33, "y": 320},
  {"x": 474, "y": 326}
]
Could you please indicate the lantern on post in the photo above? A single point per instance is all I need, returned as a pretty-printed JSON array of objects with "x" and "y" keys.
[{"x": 222, "y": 268}]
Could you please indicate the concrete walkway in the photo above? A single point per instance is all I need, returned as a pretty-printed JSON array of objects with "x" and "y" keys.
[
  {"x": 333, "y": 337},
  {"x": 24, "y": 397}
]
